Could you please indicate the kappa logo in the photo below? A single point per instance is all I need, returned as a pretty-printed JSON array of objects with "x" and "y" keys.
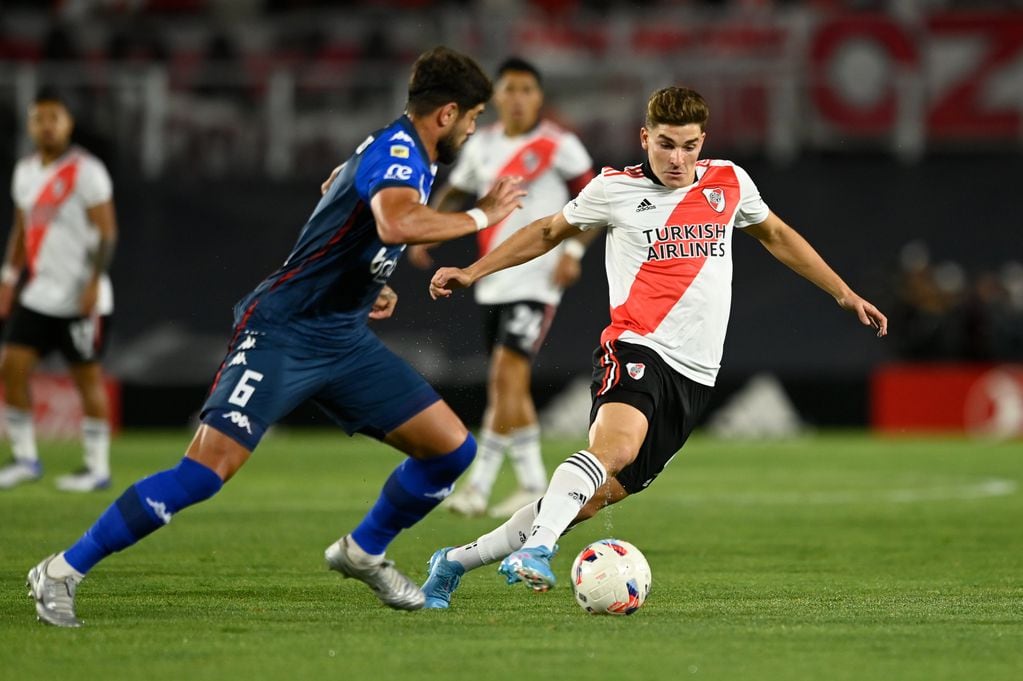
[
  {"x": 399, "y": 151},
  {"x": 248, "y": 344},
  {"x": 401, "y": 136},
  {"x": 716, "y": 198},
  {"x": 238, "y": 360},
  {"x": 441, "y": 494},
  {"x": 160, "y": 509},
  {"x": 645, "y": 205},
  {"x": 397, "y": 171},
  {"x": 636, "y": 370},
  {"x": 239, "y": 419}
]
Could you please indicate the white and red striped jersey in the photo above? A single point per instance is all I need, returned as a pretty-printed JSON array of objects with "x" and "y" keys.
[
  {"x": 546, "y": 157},
  {"x": 669, "y": 257},
  {"x": 59, "y": 237}
]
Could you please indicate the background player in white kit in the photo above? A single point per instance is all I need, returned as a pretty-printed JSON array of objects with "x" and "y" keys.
[
  {"x": 669, "y": 270},
  {"x": 59, "y": 249},
  {"x": 519, "y": 303}
]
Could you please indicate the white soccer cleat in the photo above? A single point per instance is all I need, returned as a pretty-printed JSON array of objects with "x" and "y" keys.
[
  {"x": 83, "y": 480},
  {"x": 55, "y": 598},
  {"x": 393, "y": 588},
  {"x": 468, "y": 502},
  {"x": 18, "y": 472},
  {"x": 519, "y": 498}
]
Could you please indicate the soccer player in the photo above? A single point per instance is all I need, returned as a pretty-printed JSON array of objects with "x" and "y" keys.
[
  {"x": 519, "y": 303},
  {"x": 669, "y": 225},
  {"x": 302, "y": 334},
  {"x": 62, "y": 241}
]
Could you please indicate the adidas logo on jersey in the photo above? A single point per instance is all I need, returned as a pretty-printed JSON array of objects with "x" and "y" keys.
[{"x": 645, "y": 205}]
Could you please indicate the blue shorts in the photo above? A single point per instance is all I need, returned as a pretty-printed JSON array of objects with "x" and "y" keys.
[{"x": 362, "y": 386}]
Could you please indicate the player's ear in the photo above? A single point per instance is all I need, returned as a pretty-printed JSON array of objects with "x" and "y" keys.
[
  {"x": 447, "y": 115},
  {"x": 644, "y": 138}
]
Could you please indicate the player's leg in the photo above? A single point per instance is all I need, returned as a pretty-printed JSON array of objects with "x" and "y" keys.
[{"x": 17, "y": 362}]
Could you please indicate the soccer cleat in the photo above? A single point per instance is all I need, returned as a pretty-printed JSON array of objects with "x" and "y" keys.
[
  {"x": 391, "y": 586},
  {"x": 519, "y": 498},
  {"x": 83, "y": 480},
  {"x": 19, "y": 471},
  {"x": 469, "y": 502},
  {"x": 55, "y": 598},
  {"x": 532, "y": 566},
  {"x": 443, "y": 580}
]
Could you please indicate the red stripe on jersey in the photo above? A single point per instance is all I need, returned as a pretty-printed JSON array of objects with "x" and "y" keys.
[
  {"x": 56, "y": 191},
  {"x": 612, "y": 370},
  {"x": 530, "y": 162},
  {"x": 349, "y": 223},
  {"x": 660, "y": 284}
]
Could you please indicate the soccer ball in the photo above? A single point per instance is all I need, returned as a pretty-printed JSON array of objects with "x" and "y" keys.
[{"x": 610, "y": 577}]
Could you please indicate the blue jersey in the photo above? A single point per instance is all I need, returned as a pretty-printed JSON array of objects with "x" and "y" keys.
[{"x": 327, "y": 286}]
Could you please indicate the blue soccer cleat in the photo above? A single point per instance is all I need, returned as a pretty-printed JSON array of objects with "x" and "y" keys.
[
  {"x": 444, "y": 578},
  {"x": 532, "y": 566}
]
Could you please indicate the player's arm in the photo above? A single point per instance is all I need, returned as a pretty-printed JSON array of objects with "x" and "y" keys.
[
  {"x": 14, "y": 261},
  {"x": 401, "y": 219},
  {"x": 102, "y": 216},
  {"x": 530, "y": 242},
  {"x": 789, "y": 247},
  {"x": 449, "y": 200}
]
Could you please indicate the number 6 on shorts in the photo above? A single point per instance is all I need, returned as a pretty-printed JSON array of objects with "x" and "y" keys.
[{"x": 243, "y": 391}]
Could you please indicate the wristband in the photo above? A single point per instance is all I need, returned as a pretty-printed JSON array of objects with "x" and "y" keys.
[
  {"x": 9, "y": 275},
  {"x": 479, "y": 217},
  {"x": 575, "y": 248}
]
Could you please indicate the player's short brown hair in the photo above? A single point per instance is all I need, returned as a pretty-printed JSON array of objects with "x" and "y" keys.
[
  {"x": 677, "y": 106},
  {"x": 441, "y": 76}
]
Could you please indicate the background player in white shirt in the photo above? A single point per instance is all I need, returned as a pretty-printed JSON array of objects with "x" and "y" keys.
[
  {"x": 669, "y": 222},
  {"x": 518, "y": 304},
  {"x": 59, "y": 249}
]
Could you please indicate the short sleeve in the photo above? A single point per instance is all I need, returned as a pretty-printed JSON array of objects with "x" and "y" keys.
[
  {"x": 391, "y": 163},
  {"x": 94, "y": 183},
  {"x": 571, "y": 159},
  {"x": 752, "y": 209},
  {"x": 464, "y": 175},
  {"x": 591, "y": 208}
]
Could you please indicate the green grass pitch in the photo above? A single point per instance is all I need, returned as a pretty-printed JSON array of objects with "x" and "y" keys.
[{"x": 833, "y": 557}]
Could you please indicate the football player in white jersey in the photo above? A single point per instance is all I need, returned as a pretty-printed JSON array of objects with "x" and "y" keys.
[
  {"x": 669, "y": 226},
  {"x": 518, "y": 304},
  {"x": 55, "y": 294}
]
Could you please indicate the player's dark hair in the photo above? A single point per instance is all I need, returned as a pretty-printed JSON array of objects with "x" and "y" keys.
[
  {"x": 441, "y": 76},
  {"x": 50, "y": 94},
  {"x": 677, "y": 106},
  {"x": 519, "y": 65}
]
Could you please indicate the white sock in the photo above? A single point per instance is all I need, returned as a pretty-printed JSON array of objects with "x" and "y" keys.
[
  {"x": 359, "y": 555},
  {"x": 497, "y": 544},
  {"x": 22, "y": 434},
  {"x": 60, "y": 568},
  {"x": 524, "y": 453},
  {"x": 571, "y": 486},
  {"x": 489, "y": 455},
  {"x": 96, "y": 442}
]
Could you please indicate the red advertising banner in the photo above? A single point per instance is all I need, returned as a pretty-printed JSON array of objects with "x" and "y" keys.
[{"x": 58, "y": 410}]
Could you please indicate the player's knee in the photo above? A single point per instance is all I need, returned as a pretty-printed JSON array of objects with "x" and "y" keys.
[{"x": 459, "y": 460}]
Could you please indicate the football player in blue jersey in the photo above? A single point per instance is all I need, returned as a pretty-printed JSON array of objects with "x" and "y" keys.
[{"x": 302, "y": 335}]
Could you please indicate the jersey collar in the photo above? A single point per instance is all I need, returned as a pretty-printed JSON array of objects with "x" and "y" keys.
[
  {"x": 648, "y": 173},
  {"x": 406, "y": 123}
]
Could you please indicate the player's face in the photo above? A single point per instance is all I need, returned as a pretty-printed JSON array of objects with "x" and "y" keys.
[
  {"x": 673, "y": 151},
  {"x": 449, "y": 145},
  {"x": 49, "y": 126},
  {"x": 518, "y": 99}
]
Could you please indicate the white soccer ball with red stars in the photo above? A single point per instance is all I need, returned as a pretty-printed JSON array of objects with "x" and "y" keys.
[{"x": 610, "y": 577}]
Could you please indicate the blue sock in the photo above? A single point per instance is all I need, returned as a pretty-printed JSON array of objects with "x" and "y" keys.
[
  {"x": 144, "y": 507},
  {"x": 413, "y": 490}
]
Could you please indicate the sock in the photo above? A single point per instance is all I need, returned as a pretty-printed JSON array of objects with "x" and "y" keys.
[
  {"x": 59, "y": 568},
  {"x": 527, "y": 460},
  {"x": 488, "y": 461},
  {"x": 413, "y": 490},
  {"x": 571, "y": 486},
  {"x": 143, "y": 508},
  {"x": 96, "y": 442},
  {"x": 495, "y": 545},
  {"x": 22, "y": 434}
]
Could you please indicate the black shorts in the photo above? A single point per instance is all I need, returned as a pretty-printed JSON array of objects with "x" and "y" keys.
[
  {"x": 521, "y": 326},
  {"x": 81, "y": 340},
  {"x": 673, "y": 404}
]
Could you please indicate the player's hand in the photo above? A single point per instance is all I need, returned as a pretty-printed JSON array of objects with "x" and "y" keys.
[
  {"x": 567, "y": 271},
  {"x": 866, "y": 312},
  {"x": 330, "y": 180},
  {"x": 447, "y": 280},
  {"x": 6, "y": 300},
  {"x": 500, "y": 201},
  {"x": 87, "y": 303},
  {"x": 383, "y": 306},
  {"x": 419, "y": 255}
]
